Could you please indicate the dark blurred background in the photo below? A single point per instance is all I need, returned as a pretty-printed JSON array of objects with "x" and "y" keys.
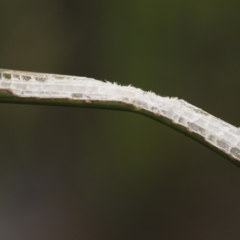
[{"x": 73, "y": 173}]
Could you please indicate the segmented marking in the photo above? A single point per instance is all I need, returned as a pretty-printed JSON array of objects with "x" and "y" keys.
[{"x": 218, "y": 133}]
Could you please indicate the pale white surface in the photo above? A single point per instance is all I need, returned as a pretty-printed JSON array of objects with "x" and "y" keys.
[{"x": 218, "y": 133}]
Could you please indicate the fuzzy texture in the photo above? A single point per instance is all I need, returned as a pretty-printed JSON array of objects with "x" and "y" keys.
[{"x": 218, "y": 133}]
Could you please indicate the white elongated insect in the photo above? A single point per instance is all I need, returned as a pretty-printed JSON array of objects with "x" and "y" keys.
[{"x": 39, "y": 88}]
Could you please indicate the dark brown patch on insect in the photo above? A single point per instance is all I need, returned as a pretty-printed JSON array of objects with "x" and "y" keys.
[
  {"x": 40, "y": 79},
  {"x": 235, "y": 152},
  {"x": 7, "y": 75},
  {"x": 26, "y": 78}
]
